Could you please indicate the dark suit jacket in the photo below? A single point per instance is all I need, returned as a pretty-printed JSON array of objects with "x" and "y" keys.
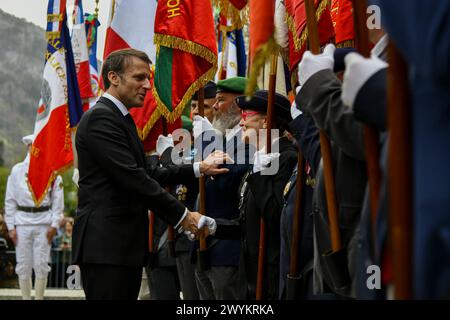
[
  {"x": 320, "y": 97},
  {"x": 117, "y": 190}
]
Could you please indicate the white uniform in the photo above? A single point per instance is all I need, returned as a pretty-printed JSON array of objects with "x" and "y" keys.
[{"x": 32, "y": 249}]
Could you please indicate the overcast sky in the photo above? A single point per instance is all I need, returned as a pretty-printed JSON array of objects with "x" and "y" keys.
[{"x": 36, "y": 11}]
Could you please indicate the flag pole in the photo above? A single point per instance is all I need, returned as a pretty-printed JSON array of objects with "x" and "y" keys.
[
  {"x": 400, "y": 174},
  {"x": 371, "y": 139},
  {"x": 314, "y": 46},
  {"x": 262, "y": 225},
  {"x": 170, "y": 230},
  {"x": 293, "y": 278},
  {"x": 203, "y": 259}
]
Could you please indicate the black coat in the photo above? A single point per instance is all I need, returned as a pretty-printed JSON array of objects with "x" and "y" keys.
[
  {"x": 261, "y": 195},
  {"x": 222, "y": 199},
  {"x": 117, "y": 190},
  {"x": 320, "y": 97}
]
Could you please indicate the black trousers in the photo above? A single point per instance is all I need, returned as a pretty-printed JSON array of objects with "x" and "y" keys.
[{"x": 110, "y": 282}]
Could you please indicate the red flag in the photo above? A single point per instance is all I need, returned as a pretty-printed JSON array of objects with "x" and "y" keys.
[
  {"x": 262, "y": 42},
  {"x": 187, "y": 53},
  {"x": 298, "y": 33},
  {"x": 342, "y": 17}
]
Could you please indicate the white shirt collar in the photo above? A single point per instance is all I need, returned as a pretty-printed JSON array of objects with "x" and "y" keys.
[
  {"x": 380, "y": 46},
  {"x": 117, "y": 103},
  {"x": 231, "y": 133}
]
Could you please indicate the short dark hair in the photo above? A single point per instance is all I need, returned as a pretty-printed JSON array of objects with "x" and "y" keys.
[{"x": 118, "y": 60}]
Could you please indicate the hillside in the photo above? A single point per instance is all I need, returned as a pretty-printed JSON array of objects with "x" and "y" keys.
[{"x": 21, "y": 65}]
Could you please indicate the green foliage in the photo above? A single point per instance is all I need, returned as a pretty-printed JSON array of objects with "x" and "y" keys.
[
  {"x": 4, "y": 172},
  {"x": 70, "y": 194}
]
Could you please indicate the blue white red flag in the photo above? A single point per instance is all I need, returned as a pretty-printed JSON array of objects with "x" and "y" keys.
[
  {"x": 232, "y": 58},
  {"x": 80, "y": 53},
  {"x": 59, "y": 107}
]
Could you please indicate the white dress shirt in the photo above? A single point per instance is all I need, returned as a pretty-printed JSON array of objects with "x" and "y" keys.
[{"x": 125, "y": 111}]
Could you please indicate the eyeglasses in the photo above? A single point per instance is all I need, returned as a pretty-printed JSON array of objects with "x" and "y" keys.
[{"x": 245, "y": 114}]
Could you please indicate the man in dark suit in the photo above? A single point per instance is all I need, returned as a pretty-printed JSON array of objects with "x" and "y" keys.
[{"x": 116, "y": 188}]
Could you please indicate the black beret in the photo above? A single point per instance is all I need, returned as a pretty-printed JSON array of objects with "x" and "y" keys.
[
  {"x": 258, "y": 102},
  {"x": 210, "y": 91}
]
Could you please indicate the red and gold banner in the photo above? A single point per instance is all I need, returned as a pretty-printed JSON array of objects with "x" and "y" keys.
[
  {"x": 342, "y": 17},
  {"x": 262, "y": 42},
  {"x": 186, "y": 53},
  {"x": 298, "y": 33}
]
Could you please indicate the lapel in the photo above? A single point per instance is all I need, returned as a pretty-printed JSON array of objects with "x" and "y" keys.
[{"x": 136, "y": 144}]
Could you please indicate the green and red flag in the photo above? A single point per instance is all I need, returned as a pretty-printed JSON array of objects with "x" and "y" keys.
[{"x": 186, "y": 53}]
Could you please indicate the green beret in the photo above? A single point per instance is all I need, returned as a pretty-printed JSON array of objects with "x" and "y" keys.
[{"x": 232, "y": 85}]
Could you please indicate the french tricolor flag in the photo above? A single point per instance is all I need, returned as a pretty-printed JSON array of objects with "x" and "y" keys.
[
  {"x": 59, "y": 107},
  {"x": 80, "y": 53}
]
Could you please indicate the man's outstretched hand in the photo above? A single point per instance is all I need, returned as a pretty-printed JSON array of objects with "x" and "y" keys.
[
  {"x": 190, "y": 222},
  {"x": 210, "y": 166}
]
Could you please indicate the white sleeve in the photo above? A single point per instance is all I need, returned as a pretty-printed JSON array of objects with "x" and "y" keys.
[
  {"x": 10, "y": 204},
  {"x": 196, "y": 167},
  {"x": 57, "y": 202}
]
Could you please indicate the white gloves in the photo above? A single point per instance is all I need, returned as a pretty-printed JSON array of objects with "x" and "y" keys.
[
  {"x": 163, "y": 143},
  {"x": 295, "y": 112},
  {"x": 262, "y": 160},
  {"x": 76, "y": 176},
  {"x": 210, "y": 223},
  {"x": 189, "y": 235},
  {"x": 200, "y": 125},
  {"x": 204, "y": 221},
  {"x": 357, "y": 71},
  {"x": 311, "y": 64}
]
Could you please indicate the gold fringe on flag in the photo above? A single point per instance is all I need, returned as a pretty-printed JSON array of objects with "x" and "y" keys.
[
  {"x": 35, "y": 153},
  {"x": 194, "y": 49},
  {"x": 258, "y": 62},
  {"x": 143, "y": 133},
  {"x": 299, "y": 41},
  {"x": 238, "y": 18}
]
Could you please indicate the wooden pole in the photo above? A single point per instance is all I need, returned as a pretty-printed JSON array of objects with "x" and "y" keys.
[
  {"x": 296, "y": 224},
  {"x": 371, "y": 139},
  {"x": 262, "y": 225},
  {"x": 325, "y": 146},
  {"x": 170, "y": 230},
  {"x": 400, "y": 174},
  {"x": 202, "y": 190}
]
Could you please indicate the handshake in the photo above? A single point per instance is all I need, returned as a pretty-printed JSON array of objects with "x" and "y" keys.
[{"x": 194, "y": 223}]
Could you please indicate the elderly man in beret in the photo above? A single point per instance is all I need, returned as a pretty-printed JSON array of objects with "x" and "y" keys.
[{"x": 222, "y": 281}]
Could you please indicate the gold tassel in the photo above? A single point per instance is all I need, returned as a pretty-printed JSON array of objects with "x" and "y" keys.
[
  {"x": 346, "y": 44},
  {"x": 238, "y": 18},
  {"x": 258, "y": 62}
]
